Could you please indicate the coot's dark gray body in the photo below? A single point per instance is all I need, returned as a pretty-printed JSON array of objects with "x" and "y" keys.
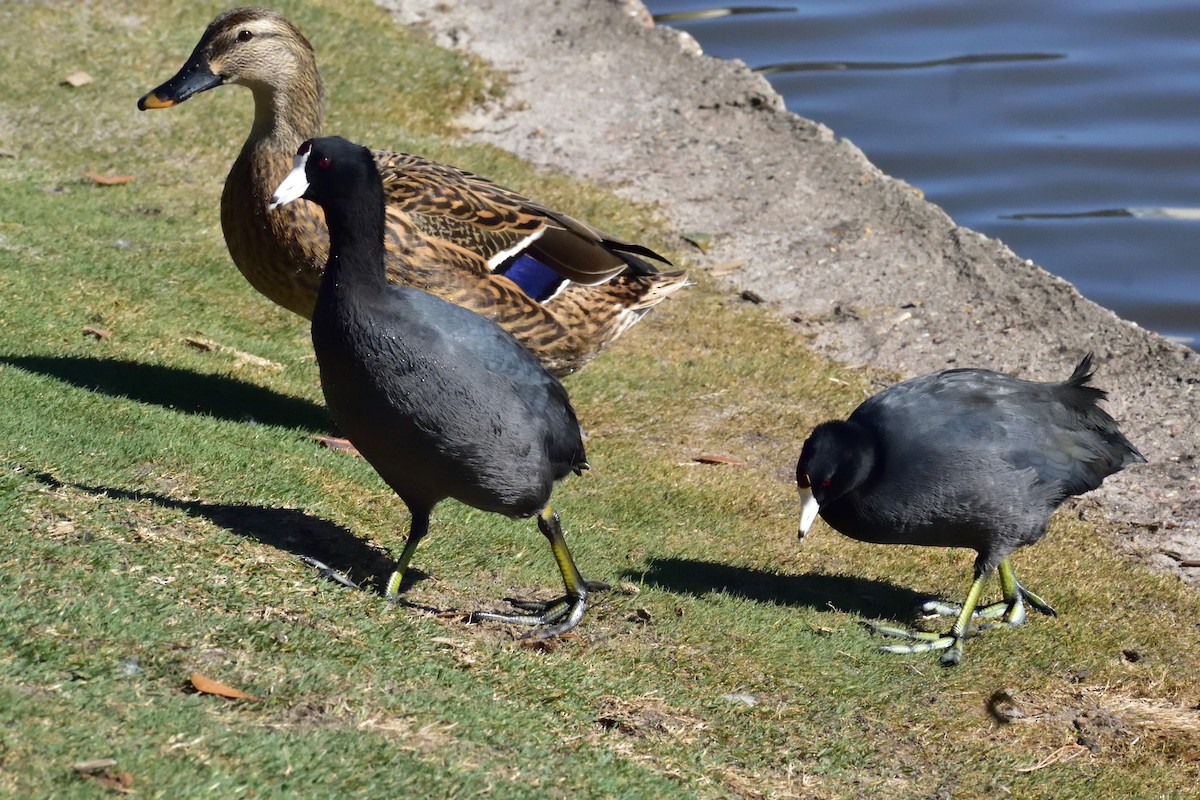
[
  {"x": 963, "y": 458},
  {"x": 442, "y": 402}
]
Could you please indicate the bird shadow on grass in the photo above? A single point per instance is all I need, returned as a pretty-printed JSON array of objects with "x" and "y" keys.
[
  {"x": 868, "y": 598},
  {"x": 287, "y": 529},
  {"x": 181, "y": 390}
]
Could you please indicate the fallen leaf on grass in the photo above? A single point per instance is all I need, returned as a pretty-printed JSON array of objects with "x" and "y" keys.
[
  {"x": 338, "y": 444},
  {"x": 97, "y": 770},
  {"x": 108, "y": 180},
  {"x": 207, "y": 345},
  {"x": 713, "y": 458},
  {"x": 200, "y": 344},
  {"x": 120, "y": 782},
  {"x": 99, "y": 333},
  {"x": 77, "y": 79},
  {"x": 205, "y": 685}
]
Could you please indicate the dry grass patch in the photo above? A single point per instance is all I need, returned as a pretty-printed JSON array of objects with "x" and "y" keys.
[{"x": 1112, "y": 724}]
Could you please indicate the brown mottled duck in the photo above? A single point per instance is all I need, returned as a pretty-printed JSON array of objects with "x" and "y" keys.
[{"x": 564, "y": 289}]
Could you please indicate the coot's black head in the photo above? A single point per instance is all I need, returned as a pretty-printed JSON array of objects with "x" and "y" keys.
[
  {"x": 329, "y": 171},
  {"x": 837, "y": 458}
]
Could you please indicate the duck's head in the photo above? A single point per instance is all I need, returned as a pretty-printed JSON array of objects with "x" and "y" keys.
[{"x": 254, "y": 47}]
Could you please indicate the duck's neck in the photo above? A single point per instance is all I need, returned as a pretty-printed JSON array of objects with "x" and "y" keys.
[
  {"x": 356, "y": 250},
  {"x": 288, "y": 112}
]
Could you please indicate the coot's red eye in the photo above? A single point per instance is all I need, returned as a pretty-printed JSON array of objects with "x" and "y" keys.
[
  {"x": 323, "y": 162},
  {"x": 825, "y": 483}
]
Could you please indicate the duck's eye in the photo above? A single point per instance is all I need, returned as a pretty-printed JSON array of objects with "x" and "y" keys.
[
  {"x": 245, "y": 35},
  {"x": 323, "y": 162}
]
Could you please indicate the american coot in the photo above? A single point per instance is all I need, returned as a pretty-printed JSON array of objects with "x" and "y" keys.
[
  {"x": 565, "y": 289},
  {"x": 962, "y": 458},
  {"x": 440, "y": 401}
]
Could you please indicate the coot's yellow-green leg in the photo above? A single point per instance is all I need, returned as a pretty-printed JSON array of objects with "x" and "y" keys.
[
  {"x": 417, "y": 531},
  {"x": 951, "y": 642},
  {"x": 1008, "y": 579},
  {"x": 561, "y": 615},
  {"x": 1010, "y": 612}
]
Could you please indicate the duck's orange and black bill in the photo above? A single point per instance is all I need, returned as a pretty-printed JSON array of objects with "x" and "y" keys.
[{"x": 195, "y": 76}]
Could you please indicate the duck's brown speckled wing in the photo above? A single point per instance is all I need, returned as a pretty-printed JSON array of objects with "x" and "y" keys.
[
  {"x": 460, "y": 275},
  {"x": 449, "y": 230},
  {"x": 497, "y": 223}
]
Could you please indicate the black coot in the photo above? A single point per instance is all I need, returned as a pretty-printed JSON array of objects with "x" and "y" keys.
[
  {"x": 440, "y": 401},
  {"x": 962, "y": 458}
]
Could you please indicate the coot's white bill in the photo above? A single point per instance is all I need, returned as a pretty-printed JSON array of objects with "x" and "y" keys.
[
  {"x": 295, "y": 184},
  {"x": 808, "y": 510}
]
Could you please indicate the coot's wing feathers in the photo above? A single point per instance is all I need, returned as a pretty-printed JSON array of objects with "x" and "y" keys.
[
  {"x": 461, "y": 338},
  {"x": 953, "y": 409},
  {"x": 1055, "y": 429},
  {"x": 452, "y": 204}
]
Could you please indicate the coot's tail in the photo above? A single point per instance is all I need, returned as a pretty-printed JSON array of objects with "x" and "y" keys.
[{"x": 1105, "y": 449}]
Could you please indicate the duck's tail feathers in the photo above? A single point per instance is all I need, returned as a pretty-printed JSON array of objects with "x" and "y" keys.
[{"x": 629, "y": 253}]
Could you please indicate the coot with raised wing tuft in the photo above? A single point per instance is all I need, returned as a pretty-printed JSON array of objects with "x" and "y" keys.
[{"x": 962, "y": 458}]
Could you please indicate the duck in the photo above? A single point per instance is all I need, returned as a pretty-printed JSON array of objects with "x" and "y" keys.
[
  {"x": 442, "y": 402},
  {"x": 965, "y": 458},
  {"x": 565, "y": 289}
]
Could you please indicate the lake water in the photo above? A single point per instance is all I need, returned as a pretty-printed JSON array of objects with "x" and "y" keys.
[{"x": 1070, "y": 131}]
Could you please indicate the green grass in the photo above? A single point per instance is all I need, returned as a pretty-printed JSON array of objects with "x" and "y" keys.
[{"x": 154, "y": 498}]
